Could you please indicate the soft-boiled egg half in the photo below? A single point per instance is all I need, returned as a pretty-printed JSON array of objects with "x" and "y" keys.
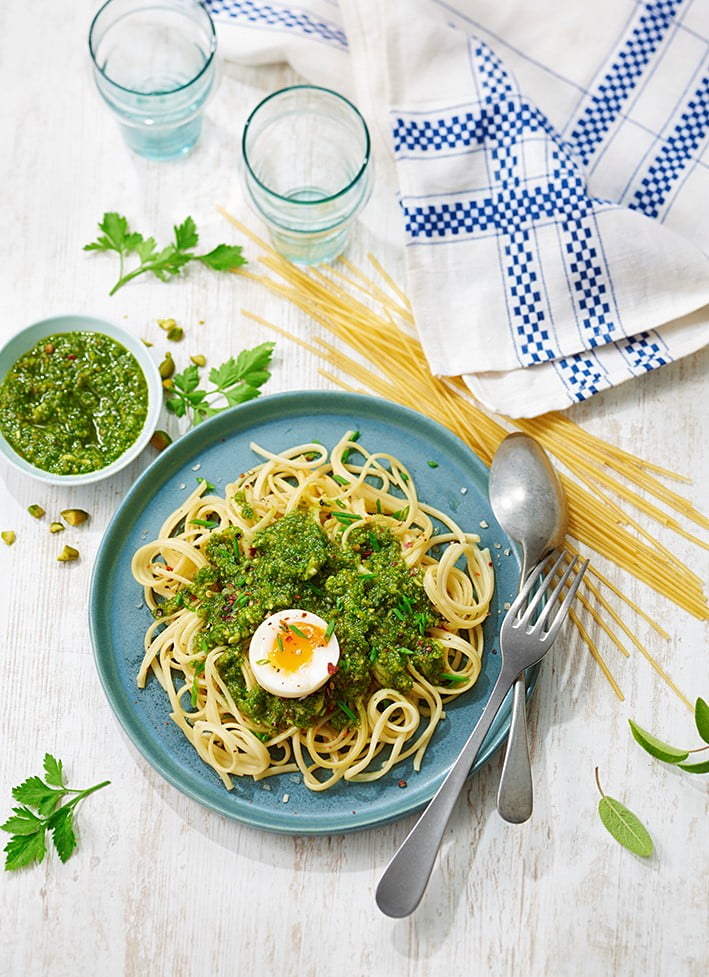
[{"x": 291, "y": 653}]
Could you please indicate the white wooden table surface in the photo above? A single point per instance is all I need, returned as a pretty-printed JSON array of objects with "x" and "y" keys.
[{"x": 161, "y": 886}]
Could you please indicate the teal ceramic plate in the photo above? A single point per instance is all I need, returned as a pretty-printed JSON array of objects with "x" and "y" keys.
[{"x": 220, "y": 447}]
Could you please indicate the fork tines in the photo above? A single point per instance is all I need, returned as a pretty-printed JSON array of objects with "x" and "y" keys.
[{"x": 537, "y": 609}]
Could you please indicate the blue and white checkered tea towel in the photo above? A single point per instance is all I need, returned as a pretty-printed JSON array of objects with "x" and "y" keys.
[{"x": 548, "y": 159}]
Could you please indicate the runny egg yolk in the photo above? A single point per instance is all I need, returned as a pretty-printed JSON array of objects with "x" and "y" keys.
[
  {"x": 293, "y": 653},
  {"x": 294, "y": 645}
]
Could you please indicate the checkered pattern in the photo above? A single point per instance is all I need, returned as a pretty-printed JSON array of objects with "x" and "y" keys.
[
  {"x": 511, "y": 208},
  {"x": 582, "y": 375},
  {"x": 607, "y": 100},
  {"x": 675, "y": 155},
  {"x": 448, "y": 131},
  {"x": 274, "y": 15},
  {"x": 644, "y": 352}
]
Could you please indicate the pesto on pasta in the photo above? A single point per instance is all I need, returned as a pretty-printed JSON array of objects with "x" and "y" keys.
[{"x": 316, "y": 619}]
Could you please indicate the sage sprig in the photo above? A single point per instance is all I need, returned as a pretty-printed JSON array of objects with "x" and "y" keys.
[
  {"x": 626, "y": 827},
  {"x": 672, "y": 754}
]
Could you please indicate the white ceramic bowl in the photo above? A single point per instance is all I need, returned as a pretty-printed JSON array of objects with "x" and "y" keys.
[{"x": 24, "y": 340}]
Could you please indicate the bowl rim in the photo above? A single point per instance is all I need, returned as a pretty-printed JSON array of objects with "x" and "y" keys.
[{"x": 23, "y": 340}]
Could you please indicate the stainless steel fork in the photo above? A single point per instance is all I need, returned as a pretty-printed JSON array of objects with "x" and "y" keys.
[{"x": 528, "y": 630}]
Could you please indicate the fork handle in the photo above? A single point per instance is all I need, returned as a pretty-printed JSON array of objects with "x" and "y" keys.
[
  {"x": 515, "y": 794},
  {"x": 405, "y": 878}
]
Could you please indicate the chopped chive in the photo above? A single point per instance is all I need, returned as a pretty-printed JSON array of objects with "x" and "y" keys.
[
  {"x": 340, "y": 504},
  {"x": 279, "y": 642},
  {"x": 193, "y": 692},
  {"x": 367, "y": 576},
  {"x": 330, "y": 629},
  {"x": 200, "y": 666},
  {"x": 207, "y": 523},
  {"x": 262, "y": 661},
  {"x": 398, "y": 613},
  {"x": 242, "y": 600},
  {"x": 237, "y": 554},
  {"x": 318, "y": 591},
  {"x": 354, "y": 436},
  {"x": 405, "y": 651},
  {"x": 347, "y": 711},
  {"x": 340, "y": 480},
  {"x": 264, "y": 737},
  {"x": 454, "y": 678},
  {"x": 401, "y": 514},
  {"x": 373, "y": 654},
  {"x": 432, "y": 464},
  {"x": 374, "y": 542},
  {"x": 208, "y": 487},
  {"x": 346, "y": 518},
  {"x": 379, "y": 507},
  {"x": 403, "y": 476},
  {"x": 297, "y": 631}
]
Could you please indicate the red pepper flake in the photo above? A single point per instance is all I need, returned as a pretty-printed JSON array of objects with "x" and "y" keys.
[
  {"x": 252, "y": 552},
  {"x": 402, "y": 783},
  {"x": 169, "y": 569},
  {"x": 332, "y": 669},
  {"x": 71, "y": 356}
]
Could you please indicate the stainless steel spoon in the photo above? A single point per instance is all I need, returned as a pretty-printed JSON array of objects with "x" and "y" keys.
[{"x": 529, "y": 503}]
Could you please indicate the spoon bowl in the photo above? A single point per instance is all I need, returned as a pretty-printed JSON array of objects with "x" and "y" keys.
[{"x": 527, "y": 498}]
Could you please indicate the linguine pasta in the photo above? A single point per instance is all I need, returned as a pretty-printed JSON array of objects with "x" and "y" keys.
[{"x": 350, "y": 494}]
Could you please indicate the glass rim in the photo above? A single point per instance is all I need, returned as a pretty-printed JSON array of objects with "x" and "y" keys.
[
  {"x": 321, "y": 200},
  {"x": 169, "y": 91}
]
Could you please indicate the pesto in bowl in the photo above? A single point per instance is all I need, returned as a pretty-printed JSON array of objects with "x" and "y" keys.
[{"x": 79, "y": 401}]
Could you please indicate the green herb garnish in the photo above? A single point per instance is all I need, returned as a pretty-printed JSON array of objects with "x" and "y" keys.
[
  {"x": 625, "y": 827},
  {"x": 164, "y": 262},
  {"x": 346, "y": 518},
  {"x": 296, "y": 630},
  {"x": 28, "y": 830},
  {"x": 234, "y": 382},
  {"x": 347, "y": 711},
  {"x": 207, "y": 523},
  {"x": 451, "y": 677},
  {"x": 672, "y": 754}
]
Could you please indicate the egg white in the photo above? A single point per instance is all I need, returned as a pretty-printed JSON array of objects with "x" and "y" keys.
[{"x": 310, "y": 676}]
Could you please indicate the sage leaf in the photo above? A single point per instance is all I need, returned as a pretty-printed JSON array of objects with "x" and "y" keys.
[
  {"x": 701, "y": 767},
  {"x": 625, "y": 827},
  {"x": 655, "y": 747},
  {"x": 701, "y": 718}
]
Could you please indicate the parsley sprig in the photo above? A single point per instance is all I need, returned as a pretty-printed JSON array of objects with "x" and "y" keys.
[
  {"x": 234, "y": 382},
  {"x": 162, "y": 262},
  {"x": 28, "y": 827}
]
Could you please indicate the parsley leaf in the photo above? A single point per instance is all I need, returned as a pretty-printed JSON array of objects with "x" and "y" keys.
[
  {"x": 164, "y": 263},
  {"x": 234, "y": 382},
  {"x": 28, "y": 843}
]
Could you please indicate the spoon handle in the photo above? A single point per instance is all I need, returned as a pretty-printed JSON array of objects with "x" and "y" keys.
[
  {"x": 405, "y": 878},
  {"x": 515, "y": 794}
]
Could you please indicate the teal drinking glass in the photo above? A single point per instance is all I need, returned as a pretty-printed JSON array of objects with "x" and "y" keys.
[
  {"x": 306, "y": 170},
  {"x": 154, "y": 65}
]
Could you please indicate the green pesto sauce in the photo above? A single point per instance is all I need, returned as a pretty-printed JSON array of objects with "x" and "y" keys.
[
  {"x": 74, "y": 403},
  {"x": 379, "y": 608}
]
